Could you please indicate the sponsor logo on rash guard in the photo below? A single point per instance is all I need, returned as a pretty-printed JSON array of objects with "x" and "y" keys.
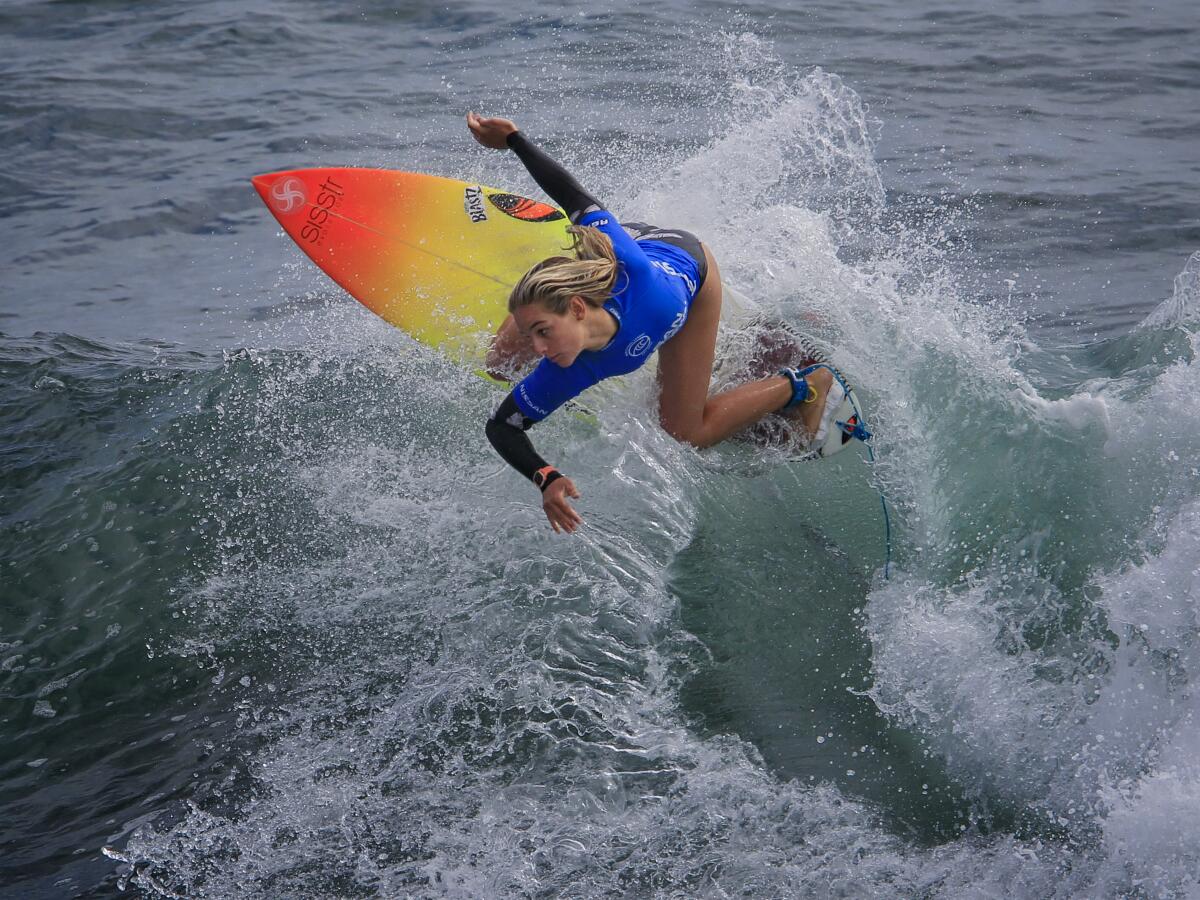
[
  {"x": 680, "y": 318},
  {"x": 528, "y": 402},
  {"x": 516, "y": 419},
  {"x": 473, "y": 204},
  {"x": 671, "y": 270},
  {"x": 639, "y": 346},
  {"x": 596, "y": 223}
]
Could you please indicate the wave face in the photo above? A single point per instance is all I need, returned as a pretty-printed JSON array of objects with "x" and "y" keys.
[{"x": 276, "y": 621}]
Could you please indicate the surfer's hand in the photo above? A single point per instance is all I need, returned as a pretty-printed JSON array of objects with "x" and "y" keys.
[
  {"x": 490, "y": 131},
  {"x": 561, "y": 514}
]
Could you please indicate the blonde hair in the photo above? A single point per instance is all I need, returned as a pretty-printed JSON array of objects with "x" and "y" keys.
[{"x": 554, "y": 281}]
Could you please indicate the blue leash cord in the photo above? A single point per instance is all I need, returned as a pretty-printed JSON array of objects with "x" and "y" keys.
[
  {"x": 860, "y": 431},
  {"x": 887, "y": 522}
]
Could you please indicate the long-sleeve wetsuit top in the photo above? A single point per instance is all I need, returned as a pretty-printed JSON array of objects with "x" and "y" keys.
[{"x": 655, "y": 285}]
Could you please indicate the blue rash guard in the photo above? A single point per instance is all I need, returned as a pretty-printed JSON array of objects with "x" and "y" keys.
[
  {"x": 659, "y": 273},
  {"x": 655, "y": 287}
]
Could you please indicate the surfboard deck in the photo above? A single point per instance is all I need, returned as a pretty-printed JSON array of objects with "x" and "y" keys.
[
  {"x": 433, "y": 256},
  {"x": 437, "y": 258}
]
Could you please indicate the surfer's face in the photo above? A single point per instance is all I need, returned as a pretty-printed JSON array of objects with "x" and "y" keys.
[{"x": 556, "y": 337}]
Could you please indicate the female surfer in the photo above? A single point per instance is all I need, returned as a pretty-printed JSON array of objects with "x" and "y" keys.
[{"x": 629, "y": 290}]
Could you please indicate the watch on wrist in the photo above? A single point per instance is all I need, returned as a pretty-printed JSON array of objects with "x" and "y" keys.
[{"x": 546, "y": 476}]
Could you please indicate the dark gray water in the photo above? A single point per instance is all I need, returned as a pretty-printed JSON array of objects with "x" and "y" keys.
[{"x": 274, "y": 621}]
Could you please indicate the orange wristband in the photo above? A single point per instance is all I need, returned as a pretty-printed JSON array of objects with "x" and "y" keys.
[{"x": 546, "y": 476}]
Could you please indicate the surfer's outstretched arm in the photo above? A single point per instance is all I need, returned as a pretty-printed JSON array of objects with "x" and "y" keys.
[
  {"x": 506, "y": 432},
  {"x": 552, "y": 178}
]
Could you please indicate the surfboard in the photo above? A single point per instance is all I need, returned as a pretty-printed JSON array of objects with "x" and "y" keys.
[
  {"x": 437, "y": 257},
  {"x": 433, "y": 256}
]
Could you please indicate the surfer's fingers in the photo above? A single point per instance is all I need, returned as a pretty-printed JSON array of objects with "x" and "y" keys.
[
  {"x": 478, "y": 129},
  {"x": 560, "y": 513},
  {"x": 558, "y": 522},
  {"x": 571, "y": 518},
  {"x": 492, "y": 131}
]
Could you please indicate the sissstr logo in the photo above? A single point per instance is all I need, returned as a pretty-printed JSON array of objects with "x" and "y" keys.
[{"x": 329, "y": 195}]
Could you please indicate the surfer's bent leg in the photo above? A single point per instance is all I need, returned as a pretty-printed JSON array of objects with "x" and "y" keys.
[{"x": 685, "y": 370}]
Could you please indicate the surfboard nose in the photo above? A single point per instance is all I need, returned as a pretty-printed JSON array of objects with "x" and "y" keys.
[
  {"x": 263, "y": 184},
  {"x": 284, "y": 192}
]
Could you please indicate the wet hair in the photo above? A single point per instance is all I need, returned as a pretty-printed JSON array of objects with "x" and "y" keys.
[{"x": 591, "y": 275}]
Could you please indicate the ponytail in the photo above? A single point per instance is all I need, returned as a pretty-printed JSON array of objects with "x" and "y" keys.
[{"x": 590, "y": 275}]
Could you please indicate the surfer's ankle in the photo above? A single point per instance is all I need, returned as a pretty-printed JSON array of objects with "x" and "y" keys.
[{"x": 801, "y": 390}]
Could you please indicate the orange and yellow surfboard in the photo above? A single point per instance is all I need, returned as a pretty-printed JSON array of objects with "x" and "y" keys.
[{"x": 433, "y": 256}]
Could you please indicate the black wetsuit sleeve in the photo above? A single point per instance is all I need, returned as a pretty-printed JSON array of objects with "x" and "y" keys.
[
  {"x": 506, "y": 432},
  {"x": 553, "y": 178}
]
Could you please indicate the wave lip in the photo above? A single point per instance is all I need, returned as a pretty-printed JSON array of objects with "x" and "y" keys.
[{"x": 1182, "y": 308}]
